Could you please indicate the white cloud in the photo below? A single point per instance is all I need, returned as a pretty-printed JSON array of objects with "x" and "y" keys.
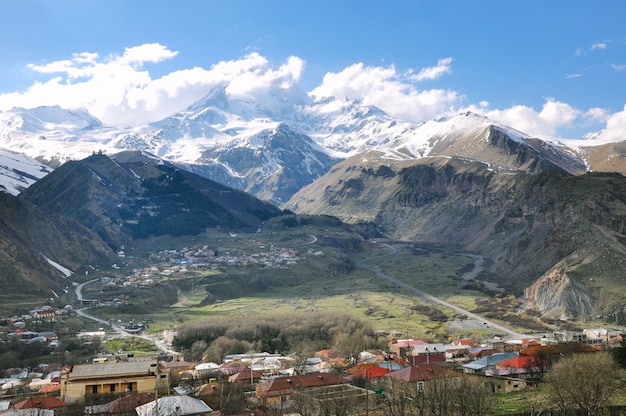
[
  {"x": 118, "y": 91},
  {"x": 618, "y": 68},
  {"x": 150, "y": 52},
  {"x": 386, "y": 88},
  {"x": 615, "y": 129},
  {"x": 598, "y": 45},
  {"x": 434, "y": 72},
  {"x": 547, "y": 122}
]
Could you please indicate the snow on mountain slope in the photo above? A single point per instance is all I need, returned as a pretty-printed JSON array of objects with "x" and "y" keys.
[
  {"x": 18, "y": 171},
  {"x": 53, "y": 134},
  {"x": 224, "y": 126}
]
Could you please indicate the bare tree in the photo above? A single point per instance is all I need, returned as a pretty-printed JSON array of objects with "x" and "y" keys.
[
  {"x": 339, "y": 400},
  {"x": 471, "y": 398},
  {"x": 399, "y": 398},
  {"x": 584, "y": 381},
  {"x": 443, "y": 396}
]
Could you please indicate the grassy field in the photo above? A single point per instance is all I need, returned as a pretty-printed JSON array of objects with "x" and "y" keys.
[{"x": 327, "y": 281}]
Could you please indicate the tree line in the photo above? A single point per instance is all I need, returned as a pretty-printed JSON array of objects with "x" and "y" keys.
[{"x": 215, "y": 337}]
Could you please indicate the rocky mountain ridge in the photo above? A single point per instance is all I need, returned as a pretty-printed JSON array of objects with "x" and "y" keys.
[
  {"x": 530, "y": 227},
  {"x": 502, "y": 193},
  {"x": 272, "y": 149}
]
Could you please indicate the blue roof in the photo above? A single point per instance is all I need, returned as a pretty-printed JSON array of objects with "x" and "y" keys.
[
  {"x": 390, "y": 365},
  {"x": 490, "y": 360}
]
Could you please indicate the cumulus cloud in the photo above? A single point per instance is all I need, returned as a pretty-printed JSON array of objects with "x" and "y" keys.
[
  {"x": 392, "y": 91},
  {"x": 615, "y": 129},
  {"x": 119, "y": 91},
  {"x": 553, "y": 117}
]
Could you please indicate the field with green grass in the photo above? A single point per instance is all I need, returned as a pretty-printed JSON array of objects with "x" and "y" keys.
[{"x": 326, "y": 278}]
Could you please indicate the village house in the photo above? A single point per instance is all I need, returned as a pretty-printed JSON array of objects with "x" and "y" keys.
[
  {"x": 496, "y": 344},
  {"x": 414, "y": 379},
  {"x": 427, "y": 354},
  {"x": 522, "y": 366},
  {"x": 402, "y": 347},
  {"x": 488, "y": 362},
  {"x": 84, "y": 380},
  {"x": 370, "y": 374},
  {"x": 45, "y": 402},
  {"x": 277, "y": 392}
]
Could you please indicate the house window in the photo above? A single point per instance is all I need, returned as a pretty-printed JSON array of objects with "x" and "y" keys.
[
  {"x": 420, "y": 386},
  {"x": 94, "y": 389},
  {"x": 112, "y": 388},
  {"x": 129, "y": 387}
]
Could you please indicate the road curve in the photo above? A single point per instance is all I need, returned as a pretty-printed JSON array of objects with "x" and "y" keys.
[
  {"x": 160, "y": 343},
  {"x": 393, "y": 250}
]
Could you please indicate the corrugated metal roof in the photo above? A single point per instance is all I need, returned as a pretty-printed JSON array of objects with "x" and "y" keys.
[
  {"x": 174, "y": 406},
  {"x": 113, "y": 369}
]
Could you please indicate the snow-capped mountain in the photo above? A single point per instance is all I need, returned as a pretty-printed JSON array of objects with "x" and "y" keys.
[
  {"x": 18, "y": 171},
  {"x": 53, "y": 134},
  {"x": 274, "y": 147}
]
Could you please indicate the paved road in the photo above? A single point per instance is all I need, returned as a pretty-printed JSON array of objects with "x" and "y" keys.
[
  {"x": 492, "y": 325},
  {"x": 160, "y": 343}
]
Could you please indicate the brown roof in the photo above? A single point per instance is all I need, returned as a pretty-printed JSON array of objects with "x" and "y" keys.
[
  {"x": 286, "y": 385},
  {"x": 422, "y": 372},
  {"x": 113, "y": 369},
  {"x": 246, "y": 376},
  {"x": 45, "y": 402},
  {"x": 127, "y": 403}
]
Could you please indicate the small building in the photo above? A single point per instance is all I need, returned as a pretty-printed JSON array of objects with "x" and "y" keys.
[
  {"x": 45, "y": 402},
  {"x": 427, "y": 354},
  {"x": 415, "y": 379},
  {"x": 523, "y": 366},
  {"x": 504, "y": 384},
  {"x": 250, "y": 377},
  {"x": 483, "y": 364},
  {"x": 277, "y": 392},
  {"x": 402, "y": 347}
]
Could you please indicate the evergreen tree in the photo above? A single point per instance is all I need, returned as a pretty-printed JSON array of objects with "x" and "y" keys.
[{"x": 619, "y": 353}]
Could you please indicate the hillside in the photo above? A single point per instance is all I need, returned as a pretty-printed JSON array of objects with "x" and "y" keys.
[
  {"x": 527, "y": 225},
  {"x": 39, "y": 249},
  {"x": 135, "y": 195}
]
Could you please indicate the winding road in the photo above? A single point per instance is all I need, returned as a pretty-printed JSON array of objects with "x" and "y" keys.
[
  {"x": 160, "y": 343},
  {"x": 430, "y": 298}
]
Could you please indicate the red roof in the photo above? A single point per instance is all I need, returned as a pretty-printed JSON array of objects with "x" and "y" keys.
[
  {"x": 372, "y": 372},
  {"x": 45, "y": 402},
  {"x": 362, "y": 367},
  {"x": 51, "y": 388},
  {"x": 522, "y": 361},
  {"x": 246, "y": 376},
  {"x": 422, "y": 372}
]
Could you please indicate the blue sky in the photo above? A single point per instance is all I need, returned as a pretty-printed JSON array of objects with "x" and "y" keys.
[{"x": 554, "y": 68}]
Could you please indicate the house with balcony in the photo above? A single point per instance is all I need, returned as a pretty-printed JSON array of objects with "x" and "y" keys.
[{"x": 85, "y": 380}]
